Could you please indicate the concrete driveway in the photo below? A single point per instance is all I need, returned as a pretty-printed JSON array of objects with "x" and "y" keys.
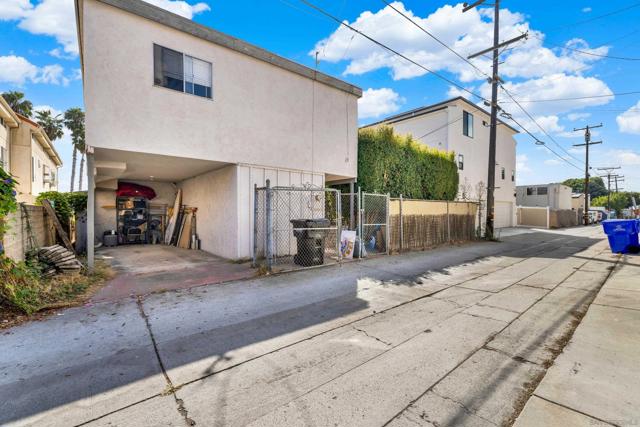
[
  {"x": 450, "y": 337},
  {"x": 145, "y": 269}
]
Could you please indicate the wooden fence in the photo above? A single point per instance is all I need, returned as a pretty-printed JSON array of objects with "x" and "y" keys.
[{"x": 421, "y": 224}]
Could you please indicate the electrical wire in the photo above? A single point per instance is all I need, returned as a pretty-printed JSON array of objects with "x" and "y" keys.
[
  {"x": 584, "y": 52},
  {"x": 576, "y": 98},
  {"x": 384, "y": 46},
  {"x": 585, "y": 21}
]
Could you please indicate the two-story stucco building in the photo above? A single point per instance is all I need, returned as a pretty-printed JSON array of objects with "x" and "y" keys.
[
  {"x": 461, "y": 126},
  {"x": 27, "y": 153},
  {"x": 554, "y": 196},
  {"x": 173, "y": 104}
]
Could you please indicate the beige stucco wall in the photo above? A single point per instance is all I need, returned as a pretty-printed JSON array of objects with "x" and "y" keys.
[
  {"x": 427, "y": 124},
  {"x": 4, "y": 143},
  {"x": 431, "y": 207},
  {"x": 42, "y": 159},
  {"x": 260, "y": 113},
  {"x": 533, "y": 216}
]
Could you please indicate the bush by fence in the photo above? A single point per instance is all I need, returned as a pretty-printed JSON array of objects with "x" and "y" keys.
[{"x": 396, "y": 164}]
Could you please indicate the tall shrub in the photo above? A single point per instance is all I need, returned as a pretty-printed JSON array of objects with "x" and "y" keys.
[{"x": 398, "y": 164}]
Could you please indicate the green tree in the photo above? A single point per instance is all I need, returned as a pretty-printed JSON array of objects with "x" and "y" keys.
[
  {"x": 596, "y": 186},
  {"x": 74, "y": 121},
  {"x": 18, "y": 103},
  {"x": 51, "y": 124},
  {"x": 619, "y": 201}
]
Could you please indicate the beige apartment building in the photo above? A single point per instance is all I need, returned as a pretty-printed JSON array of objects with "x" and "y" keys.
[
  {"x": 172, "y": 104},
  {"x": 461, "y": 126},
  {"x": 27, "y": 153}
]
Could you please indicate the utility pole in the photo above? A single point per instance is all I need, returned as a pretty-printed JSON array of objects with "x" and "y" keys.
[
  {"x": 495, "y": 80},
  {"x": 609, "y": 175},
  {"x": 587, "y": 143},
  {"x": 618, "y": 178}
]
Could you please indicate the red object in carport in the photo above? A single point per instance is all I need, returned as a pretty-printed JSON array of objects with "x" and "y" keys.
[{"x": 129, "y": 189}]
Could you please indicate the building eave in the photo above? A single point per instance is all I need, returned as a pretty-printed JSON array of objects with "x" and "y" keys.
[
  {"x": 428, "y": 109},
  {"x": 42, "y": 138},
  {"x": 179, "y": 23},
  {"x": 8, "y": 115}
]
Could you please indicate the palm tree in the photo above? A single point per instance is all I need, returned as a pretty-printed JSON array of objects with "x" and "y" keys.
[
  {"x": 18, "y": 103},
  {"x": 74, "y": 121},
  {"x": 51, "y": 124}
]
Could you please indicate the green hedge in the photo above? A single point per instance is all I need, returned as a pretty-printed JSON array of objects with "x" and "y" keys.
[
  {"x": 65, "y": 204},
  {"x": 397, "y": 164}
]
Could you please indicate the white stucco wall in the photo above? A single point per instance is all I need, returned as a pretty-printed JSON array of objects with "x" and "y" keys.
[
  {"x": 260, "y": 113},
  {"x": 215, "y": 196},
  {"x": 435, "y": 124},
  {"x": 558, "y": 196}
]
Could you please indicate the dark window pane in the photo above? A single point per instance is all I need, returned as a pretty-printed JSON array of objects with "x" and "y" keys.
[{"x": 168, "y": 68}]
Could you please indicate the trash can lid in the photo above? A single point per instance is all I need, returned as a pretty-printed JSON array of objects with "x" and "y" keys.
[{"x": 612, "y": 226}]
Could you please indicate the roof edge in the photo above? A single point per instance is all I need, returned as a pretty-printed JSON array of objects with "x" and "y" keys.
[
  {"x": 43, "y": 139},
  {"x": 416, "y": 112},
  {"x": 177, "y": 22},
  {"x": 10, "y": 115}
]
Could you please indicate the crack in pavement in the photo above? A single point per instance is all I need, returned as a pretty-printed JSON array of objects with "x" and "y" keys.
[
  {"x": 464, "y": 407},
  {"x": 171, "y": 389},
  {"x": 371, "y": 336}
]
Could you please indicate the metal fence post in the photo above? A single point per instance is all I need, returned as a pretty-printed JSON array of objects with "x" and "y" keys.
[
  {"x": 338, "y": 196},
  {"x": 255, "y": 224},
  {"x": 269, "y": 226},
  {"x": 359, "y": 228},
  {"x": 401, "y": 226},
  {"x": 448, "y": 224},
  {"x": 388, "y": 237}
]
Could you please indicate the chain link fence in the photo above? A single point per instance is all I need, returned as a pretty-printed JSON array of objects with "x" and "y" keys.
[
  {"x": 296, "y": 227},
  {"x": 375, "y": 223}
]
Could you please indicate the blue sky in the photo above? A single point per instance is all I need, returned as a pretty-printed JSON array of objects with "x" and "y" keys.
[{"x": 563, "y": 58}]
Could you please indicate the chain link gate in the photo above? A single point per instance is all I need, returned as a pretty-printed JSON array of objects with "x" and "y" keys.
[
  {"x": 302, "y": 227},
  {"x": 374, "y": 223},
  {"x": 296, "y": 227}
]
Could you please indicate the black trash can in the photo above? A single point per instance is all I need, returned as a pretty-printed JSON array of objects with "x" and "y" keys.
[{"x": 310, "y": 241}]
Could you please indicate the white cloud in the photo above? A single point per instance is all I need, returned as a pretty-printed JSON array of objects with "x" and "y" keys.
[
  {"x": 181, "y": 8},
  {"x": 378, "y": 102},
  {"x": 522, "y": 163},
  {"x": 553, "y": 162},
  {"x": 53, "y": 110},
  {"x": 586, "y": 9},
  {"x": 56, "y": 18},
  {"x": 14, "y": 9},
  {"x": 629, "y": 121},
  {"x": 465, "y": 32},
  {"x": 578, "y": 116},
  {"x": 624, "y": 157},
  {"x": 17, "y": 70}
]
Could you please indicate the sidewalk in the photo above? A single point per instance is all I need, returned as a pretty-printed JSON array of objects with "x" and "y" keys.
[{"x": 596, "y": 380}]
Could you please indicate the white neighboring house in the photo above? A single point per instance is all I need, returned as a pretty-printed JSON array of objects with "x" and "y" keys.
[
  {"x": 174, "y": 104},
  {"x": 554, "y": 196},
  {"x": 461, "y": 126}
]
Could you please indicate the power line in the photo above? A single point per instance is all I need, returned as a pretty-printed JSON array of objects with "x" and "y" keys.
[
  {"x": 585, "y": 21},
  {"x": 477, "y": 69},
  {"x": 584, "y": 52},
  {"x": 577, "y": 97},
  {"x": 384, "y": 46}
]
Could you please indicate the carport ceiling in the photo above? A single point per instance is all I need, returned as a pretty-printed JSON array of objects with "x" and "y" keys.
[{"x": 143, "y": 166}]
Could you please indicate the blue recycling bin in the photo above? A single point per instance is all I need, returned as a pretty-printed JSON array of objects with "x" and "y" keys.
[{"x": 622, "y": 234}]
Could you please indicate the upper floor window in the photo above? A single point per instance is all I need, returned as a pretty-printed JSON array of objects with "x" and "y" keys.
[
  {"x": 513, "y": 176},
  {"x": 1, "y": 121},
  {"x": 184, "y": 73},
  {"x": 502, "y": 173},
  {"x": 467, "y": 124},
  {"x": 3, "y": 158},
  {"x": 460, "y": 162},
  {"x": 531, "y": 191},
  {"x": 542, "y": 191}
]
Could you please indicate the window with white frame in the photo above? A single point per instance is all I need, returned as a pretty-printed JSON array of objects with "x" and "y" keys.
[
  {"x": 467, "y": 124},
  {"x": 180, "y": 72},
  {"x": 460, "y": 162}
]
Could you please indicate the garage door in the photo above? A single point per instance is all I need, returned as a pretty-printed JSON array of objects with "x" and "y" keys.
[{"x": 503, "y": 215}]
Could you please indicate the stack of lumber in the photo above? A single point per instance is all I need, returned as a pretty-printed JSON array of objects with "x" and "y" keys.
[
  {"x": 184, "y": 234},
  {"x": 59, "y": 258}
]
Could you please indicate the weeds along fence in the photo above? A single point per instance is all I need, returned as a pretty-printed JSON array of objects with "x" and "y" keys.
[{"x": 421, "y": 224}]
